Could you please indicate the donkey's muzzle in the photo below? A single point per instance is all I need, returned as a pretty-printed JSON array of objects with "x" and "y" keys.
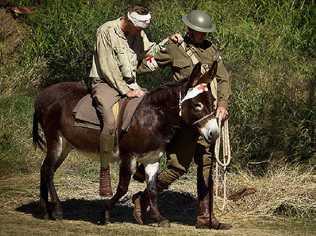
[{"x": 210, "y": 130}]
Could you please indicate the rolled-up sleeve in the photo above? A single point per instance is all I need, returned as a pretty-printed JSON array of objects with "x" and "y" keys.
[
  {"x": 108, "y": 62},
  {"x": 157, "y": 57}
]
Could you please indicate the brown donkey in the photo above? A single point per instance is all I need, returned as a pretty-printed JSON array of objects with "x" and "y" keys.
[{"x": 160, "y": 113}]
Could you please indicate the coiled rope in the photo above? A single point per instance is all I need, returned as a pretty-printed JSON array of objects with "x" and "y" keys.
[{"x": 224, "y": 136}]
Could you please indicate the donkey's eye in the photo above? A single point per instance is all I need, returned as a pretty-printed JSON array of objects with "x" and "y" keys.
[{"x": 199, "y": 106}]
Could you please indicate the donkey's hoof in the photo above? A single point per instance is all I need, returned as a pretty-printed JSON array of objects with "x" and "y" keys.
[
  {"x": 45, "y": 216},
  {"x": 41, "y": 211},
  {"x": 57, "y": 215},
  {"x": 42, "y": 215},
  {"x": 217, "y": 226},
  {"x": 164, "y": 223},
  {"x": 107, "y": 217},
  {"x": 221, "y": 226}
]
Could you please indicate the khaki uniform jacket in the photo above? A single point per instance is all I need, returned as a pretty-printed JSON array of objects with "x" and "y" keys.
[
  {"x": 174, "y": 55},
  {"x": 116, "y": 56}
]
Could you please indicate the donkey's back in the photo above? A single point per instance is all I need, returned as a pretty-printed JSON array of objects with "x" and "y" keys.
[
  {"x": 53, "y": 110},
  {"x": 58, "y": 93}
]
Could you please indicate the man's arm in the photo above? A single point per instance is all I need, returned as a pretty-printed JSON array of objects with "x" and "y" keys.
[
  {"x": 157, "y": 56},
  {"x": 223, "y": 83},
  {"x": 223, "y": 90}
]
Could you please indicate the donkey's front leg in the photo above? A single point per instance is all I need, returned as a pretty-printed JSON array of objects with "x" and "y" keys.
[
  {"x": 122, "y": 187},
  {"x": 151, "y": 171}
]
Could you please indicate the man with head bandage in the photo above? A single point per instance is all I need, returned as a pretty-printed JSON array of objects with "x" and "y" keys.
[
  {"x": 138, "y": 20},
  {"x": 121, "y": 44}
]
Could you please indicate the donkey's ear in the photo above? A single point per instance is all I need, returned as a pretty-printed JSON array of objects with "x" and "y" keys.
[
  {"x": 195, "y": 75},
  {"x": 209, "y": 75}
]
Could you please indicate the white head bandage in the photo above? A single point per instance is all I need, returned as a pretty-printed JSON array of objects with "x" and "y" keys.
[{"x": 138, "y": 20}]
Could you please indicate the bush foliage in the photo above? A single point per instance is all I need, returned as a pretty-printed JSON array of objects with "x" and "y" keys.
[{"x": 268, "y": 46}]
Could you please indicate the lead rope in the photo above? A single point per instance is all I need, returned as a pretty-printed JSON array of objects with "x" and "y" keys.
[{"x": 224, "y": 135}]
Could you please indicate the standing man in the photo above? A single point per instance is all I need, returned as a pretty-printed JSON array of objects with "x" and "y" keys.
[
  {"x": 121, "y": 44},
  {"x": 181, "y": 55}
]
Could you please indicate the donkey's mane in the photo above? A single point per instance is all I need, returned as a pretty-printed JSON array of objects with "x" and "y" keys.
[{"x": 163, "y": 92}]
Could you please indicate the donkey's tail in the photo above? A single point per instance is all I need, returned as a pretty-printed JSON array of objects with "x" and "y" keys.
[{"x": 37, "y": 139}]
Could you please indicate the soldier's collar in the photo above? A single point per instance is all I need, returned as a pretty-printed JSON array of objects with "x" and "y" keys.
[
  {"x": 118, "y": 29},
  {"x": 190, "y": 43}
]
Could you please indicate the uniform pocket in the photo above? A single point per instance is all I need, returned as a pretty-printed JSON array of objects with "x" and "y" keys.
[{"x": 182, "y": 68}]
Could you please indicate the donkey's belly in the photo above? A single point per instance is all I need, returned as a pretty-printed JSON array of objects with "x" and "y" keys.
[{"x": 150, "y": 157}]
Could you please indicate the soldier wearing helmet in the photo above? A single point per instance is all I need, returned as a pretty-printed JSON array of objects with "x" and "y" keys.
[{"x": 181, "y": 54}]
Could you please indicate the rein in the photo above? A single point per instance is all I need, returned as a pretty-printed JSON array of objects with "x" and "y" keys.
[{"x": 212, "y": 114}]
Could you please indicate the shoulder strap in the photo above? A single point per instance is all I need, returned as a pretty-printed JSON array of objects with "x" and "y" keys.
[
  {"x": 204, "y": 68},
  {"x": 190, "y": 53}
]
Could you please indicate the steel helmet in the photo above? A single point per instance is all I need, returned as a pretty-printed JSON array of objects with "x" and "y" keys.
[{"x": 199, "y": 21}]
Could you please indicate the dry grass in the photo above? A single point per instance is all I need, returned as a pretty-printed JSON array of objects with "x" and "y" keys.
[
  {"x": 83, "y": 208},
  {"x": 12, "y": 34},
  {"x": 288, "y": 191}
]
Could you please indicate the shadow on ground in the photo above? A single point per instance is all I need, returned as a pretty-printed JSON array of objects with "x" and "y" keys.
[{"x": 178, "y": 207}]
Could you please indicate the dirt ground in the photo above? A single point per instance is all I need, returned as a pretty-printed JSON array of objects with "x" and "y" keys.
[{"x": 83, "y": 208}]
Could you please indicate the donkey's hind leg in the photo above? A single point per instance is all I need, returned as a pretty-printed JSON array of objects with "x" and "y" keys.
[
  {"x": 122, "y": 187},
  {"x": 50, "y": 164},
  {"x": 66, "y": 149},
  {"x": 43, "y": 203}
]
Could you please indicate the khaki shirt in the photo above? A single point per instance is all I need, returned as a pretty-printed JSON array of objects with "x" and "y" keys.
[
  {"x": 116, "y": 56},
  {"x": 175, "y": 56}
]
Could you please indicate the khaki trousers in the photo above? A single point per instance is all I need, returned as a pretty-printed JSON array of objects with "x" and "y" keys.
[
  {"x": 185, "y": 147},
  {"x": 103, "y": 99}
]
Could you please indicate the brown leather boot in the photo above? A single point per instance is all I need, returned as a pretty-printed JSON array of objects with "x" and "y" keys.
[
  {"x": 105, "y": 182},
  {"x": 141, "y": 205},
  {"x": 205, "y": 217},
  {"x": 141, "y": 209},
  {"x": 203, "y": 214}
]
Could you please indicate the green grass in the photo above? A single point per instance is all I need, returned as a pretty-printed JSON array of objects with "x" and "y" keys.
[{"x": 16, "y": 152}]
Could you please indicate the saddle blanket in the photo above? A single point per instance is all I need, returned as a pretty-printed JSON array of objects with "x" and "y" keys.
[{"x": 85, "y": 114}]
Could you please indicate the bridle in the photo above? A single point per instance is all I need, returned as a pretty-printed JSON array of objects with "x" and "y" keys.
[{"x": 212, "y": 114}]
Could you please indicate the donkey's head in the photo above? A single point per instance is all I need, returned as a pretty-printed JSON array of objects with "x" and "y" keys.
[{"x": 197, "y": 102}]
